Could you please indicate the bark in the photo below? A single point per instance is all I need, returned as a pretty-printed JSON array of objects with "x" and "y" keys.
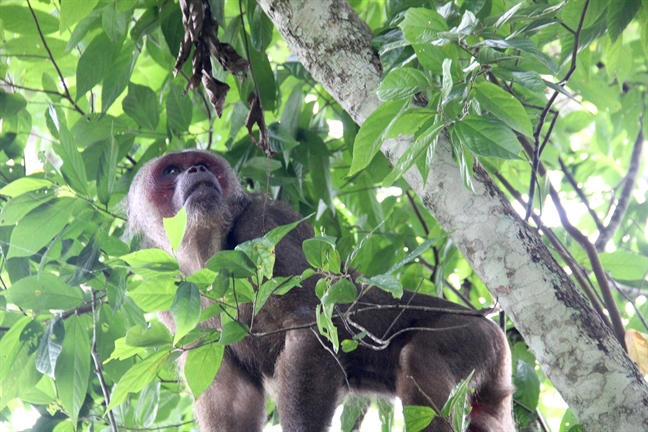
[{"x": 574, "y": 348}]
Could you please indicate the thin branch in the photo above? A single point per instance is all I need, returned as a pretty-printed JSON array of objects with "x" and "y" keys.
[
  {"x": 97, "y": 362},
  {"x": 575, "y": 268},
  {"x": 418, "y": 214},
  {"x": 543, "y": 115},
  {"x": 632, "y": 302},
  {"x": 572, "y": 181},
  {"x": 624, "y": 200},
  {"x": 174, "y": 427},
  {"x": 597, "y": 267},
  {"x": 16, "y": 86},
  {"x": 67, "y": 96}
]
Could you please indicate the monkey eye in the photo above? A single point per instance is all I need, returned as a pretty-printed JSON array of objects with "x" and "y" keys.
[{"x": 172, "y": 170}]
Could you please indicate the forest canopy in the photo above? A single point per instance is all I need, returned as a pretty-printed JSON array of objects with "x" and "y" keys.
[{"x": 549, "y": 98}]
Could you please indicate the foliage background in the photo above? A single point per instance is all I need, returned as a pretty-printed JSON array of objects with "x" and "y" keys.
[{"x": 70, "y": 151}]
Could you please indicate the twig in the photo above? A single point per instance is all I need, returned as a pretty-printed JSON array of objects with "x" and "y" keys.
[
  {"x": 543, "y": 115},
  {"x": 97, "y": 362},
  {"x": 174, "y": 426},
  {"x": 624, "y": 200},
  {"x": 572, "y": 181},
  {"x": 16, "y": 86},
  {"x": 418, "y": 214},
  {"x": 575, "y": 268},
  {"x": 597, "y": 267},
  {"x": 632, "y": 302},
  {"x": 67, "y": 95}
]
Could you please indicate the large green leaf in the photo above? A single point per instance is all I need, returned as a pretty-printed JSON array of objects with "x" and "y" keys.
[
  {"x": 488, "y": 137},
  {"x": 619, "y": 15},
  {"x": 18, "y": 19},
  {"x": 175, "y": 228},
  {"x": 154, "y": 294},
  {"x": 185, "y": 309},
  {"x": 504, "y": 106},
  {"x": 73, "y": 11},
  {"x": 370, "y": 136},
  {"x": 95, "y": 63},
  {"x": 402, "y": 84},
  {"x": 39, "y": 227},
  {"x": 141, "y": 104},
  {"x": 138, "y": 377},
  {"x": 23, "y": 185},
  {"x": 179, "y": 109},
  {"x": 236, "y": 262},
  {"x": 44, "y": 292},
  {"x": 417, "y": 417},
  {"x": 201, "y": 367},
  {"x": 421, "y": 25},
  {"x": 73, "y": 366}
]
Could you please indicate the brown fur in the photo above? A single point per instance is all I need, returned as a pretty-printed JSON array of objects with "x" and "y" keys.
[{"x": 309, "y": 380}]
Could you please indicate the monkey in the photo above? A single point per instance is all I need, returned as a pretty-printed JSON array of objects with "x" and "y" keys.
[{"x": 434, "y": 344}]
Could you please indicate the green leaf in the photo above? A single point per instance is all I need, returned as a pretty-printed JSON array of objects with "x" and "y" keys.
[
  {"x": 151, "y": 262},
  {"x": 172, "y": 28},
  {"x": 504, "y": 106},
  {"x": 386, "y": 283},
  {"x": 141, "y": 105},
  {"x": 154, "y": 294},
  {"x": 39, "y": 227},
  {"x": 179, "y": 109},
  {"x": 107, "y": 172},
  {"x": 527, "y": 385},
  {"x": 23, "y": 185},
  {"x": 422, "y": 25},
  {"x": 175, "y": 228},
  {"x": 73, "y": 367},
  {"x": 457, "y": 407},
  {"x": 316, "y": 249},
  {"x": 15, "y": 209},
  {"x": 95, "y": 63},
  {"x": 459, "y": 156},
  {"x": 73, "y": 11},
  {"x": 185, "y": 309},
  {"x": 417, "y": 417},
  {"x": 261, "y": 30},
  {"x": 325, "y": 325},
  {"x": 625, "y": 265},
  {"x": 116, "y": 81},
  {"x": 402, "y": 84},
  {"x": 231, "y": 332},
  {"x": 236, "y": 262},
  {"x": 18, "y": 19},
  {"x": 349, "y": 345},
  {"x": 123, "y": 351},
  {"x": 414, "y": 153},
  {"x": 113, "y": 21},
  {"x": 488, "y": 137},
  {"x": 153, "y": 334},
  {"x": 44, "y": 293},
  {"x": 73, "y": 168},
  {"x": 11, "y": 103},
  {"x": 138, "y": 377},
  {"x": 370, "y": 136},
  {"x": 276, "y": 234},
  {"x": 201, "y": 367},
  {"x": 619, "y": 15},
  {"x": 50, "y": 346},
  {"x": 446, "y": 81},
  {"x": 11, "y": 344},
  {"x": 341, "y": 292}
]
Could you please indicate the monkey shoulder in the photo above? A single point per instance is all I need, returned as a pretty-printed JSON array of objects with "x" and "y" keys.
[{"x": 260, "y": 216}]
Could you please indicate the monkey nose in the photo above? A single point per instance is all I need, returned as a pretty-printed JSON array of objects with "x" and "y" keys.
[{"x": 196, "y": 169}]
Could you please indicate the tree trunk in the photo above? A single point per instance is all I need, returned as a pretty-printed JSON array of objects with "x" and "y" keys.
[{"x": 574, "y": 348}]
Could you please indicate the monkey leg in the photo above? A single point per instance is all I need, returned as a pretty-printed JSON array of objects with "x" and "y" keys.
[
  {"x": 432, "y": 363},
  {"x": 309, "y": 381},
  {"x": 233, "y": 403}
]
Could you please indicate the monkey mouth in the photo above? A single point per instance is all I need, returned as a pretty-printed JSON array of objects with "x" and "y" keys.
[{"x": 202, "y": 187}]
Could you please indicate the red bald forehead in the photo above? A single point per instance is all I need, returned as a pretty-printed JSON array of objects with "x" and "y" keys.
[{"x": 160, "y": 186}]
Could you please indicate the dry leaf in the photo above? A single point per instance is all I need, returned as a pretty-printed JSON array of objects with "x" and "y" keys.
[{"x": 637, "y": 349}]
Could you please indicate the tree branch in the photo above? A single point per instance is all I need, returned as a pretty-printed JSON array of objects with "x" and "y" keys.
[
  {"x": 67, "y": 95},
  {"x": 610, "y": 230}
]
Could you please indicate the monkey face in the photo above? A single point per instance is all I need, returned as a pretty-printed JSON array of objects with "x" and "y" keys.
[{"x": 194, "y": 179}]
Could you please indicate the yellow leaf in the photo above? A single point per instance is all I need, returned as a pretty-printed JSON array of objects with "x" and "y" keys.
[{"x": 637, "y": 349}]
